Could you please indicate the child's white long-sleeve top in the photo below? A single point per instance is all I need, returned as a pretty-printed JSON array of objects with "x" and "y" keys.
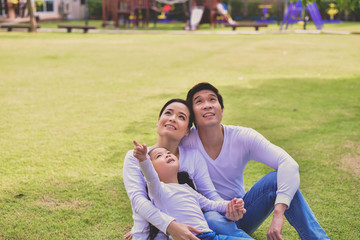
[
  {"x": 180, "y": 200},
  {"x": 191, "y": 161},
  {"x": 240, "y": 146}
]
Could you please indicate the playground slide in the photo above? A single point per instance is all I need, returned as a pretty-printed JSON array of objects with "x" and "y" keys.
[
  {"x": 195, "y": 18},
  {"x": 221, "y": 8},
  {"x": 197, "y": 13}
]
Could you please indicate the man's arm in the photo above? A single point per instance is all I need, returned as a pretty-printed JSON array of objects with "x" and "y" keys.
[
  {"x": 277, "y": 222},
  {"x": 288, "y": 177}
]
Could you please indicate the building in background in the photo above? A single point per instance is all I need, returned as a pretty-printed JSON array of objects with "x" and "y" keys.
[{"x": 16, "y": 10}]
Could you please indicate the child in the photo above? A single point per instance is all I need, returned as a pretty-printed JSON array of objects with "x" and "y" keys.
[{"x": 179, "y": 200}]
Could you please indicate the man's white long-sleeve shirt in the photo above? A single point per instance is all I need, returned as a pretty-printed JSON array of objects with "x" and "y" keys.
[{"x": 240, "y": 146}]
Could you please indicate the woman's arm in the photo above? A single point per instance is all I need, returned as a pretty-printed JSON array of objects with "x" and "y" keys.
[
  {"x": 135, "y": 186},
  {"x": 136, "y": 189}
]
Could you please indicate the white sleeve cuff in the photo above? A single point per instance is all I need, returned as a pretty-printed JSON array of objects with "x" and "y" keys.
[
  {"x": 165, "y": 226},
  {"x": 283, "y": 198}
]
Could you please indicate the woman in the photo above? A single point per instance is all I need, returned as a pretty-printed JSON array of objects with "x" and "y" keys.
[{"x": 173, "y": 124}]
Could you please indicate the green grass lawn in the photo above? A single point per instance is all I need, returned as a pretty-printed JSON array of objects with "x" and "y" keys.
[{"x": 70, "y": 105}]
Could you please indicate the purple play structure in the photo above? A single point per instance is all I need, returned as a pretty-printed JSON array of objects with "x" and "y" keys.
[
  {"x": 315, "y": 15},
  {"x": 294, "y": 11}
]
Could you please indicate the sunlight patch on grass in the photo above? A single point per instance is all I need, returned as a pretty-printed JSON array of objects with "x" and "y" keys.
[
  {"x": 50, "y": 202},
  {"x": 350, "y": 162}
]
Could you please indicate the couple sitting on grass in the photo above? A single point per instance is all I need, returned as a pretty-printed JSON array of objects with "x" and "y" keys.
[{"x": 214, "y": 156}]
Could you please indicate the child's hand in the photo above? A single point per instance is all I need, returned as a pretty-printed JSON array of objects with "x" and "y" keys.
[
  {"x": 235, "y": 209},
  {"x": 140, "y": 151}
]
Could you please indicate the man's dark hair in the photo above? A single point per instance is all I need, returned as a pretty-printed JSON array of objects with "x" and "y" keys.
[
  {"x": 203, "y": 86},
  {"x": 191, "y": 117}
]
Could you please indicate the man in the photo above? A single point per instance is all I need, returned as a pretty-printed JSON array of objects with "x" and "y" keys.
[{"x": 227, "y": 150}]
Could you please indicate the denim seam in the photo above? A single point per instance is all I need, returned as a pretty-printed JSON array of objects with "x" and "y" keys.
[
  {"x": 299, "y": 230},
  {"x": 252, "y": 203}
]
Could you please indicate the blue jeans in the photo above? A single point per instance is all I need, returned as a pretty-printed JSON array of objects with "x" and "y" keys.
[
  {"x": 213, "y": 236},
  {"x": 259, "y": 203}
]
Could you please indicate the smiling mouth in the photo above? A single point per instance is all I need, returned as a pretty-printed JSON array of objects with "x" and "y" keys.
[
  {"x": 170, "y": 126},
  {"x": 208, "y": 115}
]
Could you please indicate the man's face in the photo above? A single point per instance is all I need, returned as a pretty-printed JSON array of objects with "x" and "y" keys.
[{"x": 207, "y": 109}]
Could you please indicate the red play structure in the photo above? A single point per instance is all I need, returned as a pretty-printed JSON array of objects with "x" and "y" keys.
[
  {"x": 116, "y": 10},
  {"x": 201, "y": 11}
]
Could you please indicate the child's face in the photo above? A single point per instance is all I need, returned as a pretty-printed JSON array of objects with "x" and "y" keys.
[{"x": 165, "y": 163}]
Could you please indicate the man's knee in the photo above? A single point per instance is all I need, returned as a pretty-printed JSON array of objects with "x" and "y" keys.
[
  {"x": 218, "y": 223},
  {"x": 271, "y": 180},
  {"x": 214, "y": 217}
]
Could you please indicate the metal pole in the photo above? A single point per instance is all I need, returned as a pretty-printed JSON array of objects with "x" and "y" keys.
[
  {"x": 86, "y": 12},
  {"x": 190, "y": 12}
]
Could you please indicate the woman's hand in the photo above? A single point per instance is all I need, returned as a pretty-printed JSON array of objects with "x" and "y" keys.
[
  {"x": 140, "y": 151},
  {"x": 235, "y": 210},
  {"x": 179, "y": 231},
  {"x": 128, "y": 235}
]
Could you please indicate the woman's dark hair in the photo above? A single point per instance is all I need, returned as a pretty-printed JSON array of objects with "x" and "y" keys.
[
  {"x": 183, "y": 177},
  {"x": 203, "y": 86},
  {"x": 191, "y": 117}
]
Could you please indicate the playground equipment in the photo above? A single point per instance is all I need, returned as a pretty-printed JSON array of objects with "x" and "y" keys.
[
  {"x": 112, "y": 9},
  {"x": 12, "y": 8},
  {"x": 127, "y": 10},
  {"x": 202, "y": 11},
  {"x": 294, "y": 11},
  {"x": 134, "y": 10},
  {"x": 163, "y": 17},
  {"x": 332, "y": 11},
  {"x": 206, "y": 11},
  {"x": 265, "y": 9}
]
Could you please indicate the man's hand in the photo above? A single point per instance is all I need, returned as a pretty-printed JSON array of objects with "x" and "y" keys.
[
  {"x": 235, "y": 210},
  {"x": 179, "y": 231},
  {"x": 140, "y": 151},
  {"x": 274, "y": 232}
]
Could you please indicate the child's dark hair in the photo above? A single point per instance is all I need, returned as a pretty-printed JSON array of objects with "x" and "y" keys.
[
  {"x": 191, "y": 117},
  {"x": 183, "y": 177}
]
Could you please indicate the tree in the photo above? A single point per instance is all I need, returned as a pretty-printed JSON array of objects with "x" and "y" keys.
[
  {"x": 33, "y": 25},
  {"x": 349, "y": 5}
]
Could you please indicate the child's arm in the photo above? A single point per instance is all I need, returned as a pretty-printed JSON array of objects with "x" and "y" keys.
[
  {"x": 235, "y": 209},
  {"x": 175, "y": 229},
  {"x": 135, "y": 186},
  {"x": 151, "y": 177},
  {"x": 140, "y": 151}
]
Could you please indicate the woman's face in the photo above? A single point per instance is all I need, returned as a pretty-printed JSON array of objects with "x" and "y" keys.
[{"x": 174, "y": 120}]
